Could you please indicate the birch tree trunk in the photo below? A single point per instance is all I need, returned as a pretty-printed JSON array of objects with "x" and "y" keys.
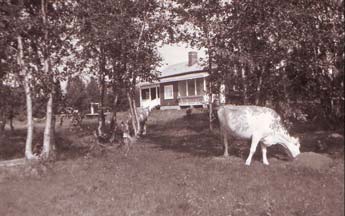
[
  {"x": 114, "y": 115},
  {"x": 48, "y": 130},
  {"x": 210, "y": 109},
  {"x": 133, "y": 114},
  {"x": 48, "y": 135},
  {"x": 130, "y": 95},
  {"x": 137, "y": 116},
  {"x": 30, "y": 126},
  {"x": 101, "y": 118}
]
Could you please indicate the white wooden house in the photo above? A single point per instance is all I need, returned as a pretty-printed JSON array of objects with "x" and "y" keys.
[{"x": 180, "y": 85}]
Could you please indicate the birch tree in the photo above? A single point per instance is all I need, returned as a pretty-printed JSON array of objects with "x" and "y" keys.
[
  {"x": 14, "y": 16},
  {"x": 54, "y": 43},
  {"x": 121, "y": 45},
  {"x": 200, "y": 20}
]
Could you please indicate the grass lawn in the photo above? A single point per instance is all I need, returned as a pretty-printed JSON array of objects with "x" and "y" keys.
[{"x": 176, "y": 169}]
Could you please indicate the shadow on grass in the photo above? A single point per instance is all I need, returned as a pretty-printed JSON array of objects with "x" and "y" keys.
[
  {"x": 190, "y": 134},
  {"x": 67, "y": 148},
  {"x": 70, "y": 142},
  {"x": 12, "y": 144}
]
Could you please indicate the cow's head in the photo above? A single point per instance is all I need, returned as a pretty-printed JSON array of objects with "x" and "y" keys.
[
  {"x": 293, "y": 146},
  {"x": 290, "y": 144}
]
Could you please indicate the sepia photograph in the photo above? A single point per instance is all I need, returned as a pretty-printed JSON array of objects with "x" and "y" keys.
[{"x": 172, "y": 107}]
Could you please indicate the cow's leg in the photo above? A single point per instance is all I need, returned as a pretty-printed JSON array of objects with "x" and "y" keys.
[
  {"x": 226, "y": 144},
  {"x": 264, "y": 154},
  {"x": 254, "y": 144}
]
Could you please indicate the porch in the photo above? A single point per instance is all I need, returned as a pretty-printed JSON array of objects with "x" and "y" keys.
[
  {"x": 195, "y": 100},
  {"x": 149, "y": 96}
]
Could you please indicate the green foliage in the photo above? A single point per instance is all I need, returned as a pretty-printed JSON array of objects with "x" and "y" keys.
[
  {"x": 76, "y": 96},
  {"x": 272, "y": 51},
  {"x": 119, "y": 39},
  {"x": 12, "y": 100}
]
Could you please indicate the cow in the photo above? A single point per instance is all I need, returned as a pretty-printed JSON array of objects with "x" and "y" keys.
[
  {"x": 258, "y": 124},
  {"x": 143, "y": 114}
]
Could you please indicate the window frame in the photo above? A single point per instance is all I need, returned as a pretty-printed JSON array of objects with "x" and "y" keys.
[
  {"x": 148, "y": 93},
  {"x": 166, "y": 96}
]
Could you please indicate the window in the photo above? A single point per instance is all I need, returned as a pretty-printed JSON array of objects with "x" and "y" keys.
[
  {"x": 200, "y": 86},
  {"x": 153, "y": 93},
  {"x": 191, "y": 87},
  {"x": 182, "y": 88},
  {"x": 168, "y": 92},
  {"x": 145, "y": 94}
]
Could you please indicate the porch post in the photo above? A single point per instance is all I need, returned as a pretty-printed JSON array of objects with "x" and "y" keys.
[
  {"x": 204, "y": 84},
  {"x": 187, "y": 93}
]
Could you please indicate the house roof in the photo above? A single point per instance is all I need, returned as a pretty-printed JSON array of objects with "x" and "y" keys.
[
  {"x": 180, "y": 68},
  {"x": 185, "y": 76},
  {"x": 176, "y": 72}
]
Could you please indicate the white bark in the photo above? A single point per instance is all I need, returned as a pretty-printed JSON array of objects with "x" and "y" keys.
[
  {"x": 133, "y": 115},
  {"x": 136, "y": 116},
  {"x": 210, "y": 108},
  {"x": 30, "y": 126},
  {"x": 48, "y": 135},
  {"x": 48, "y": 130}
]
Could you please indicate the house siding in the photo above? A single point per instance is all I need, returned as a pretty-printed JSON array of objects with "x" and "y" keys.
[{"x": 168, "y": 102}]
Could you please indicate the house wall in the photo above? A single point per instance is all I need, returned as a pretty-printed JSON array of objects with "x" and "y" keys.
[{"x": 168, "y": 102}]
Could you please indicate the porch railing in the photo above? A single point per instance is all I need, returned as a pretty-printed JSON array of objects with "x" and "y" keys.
[{"x": 191, "y": 100}]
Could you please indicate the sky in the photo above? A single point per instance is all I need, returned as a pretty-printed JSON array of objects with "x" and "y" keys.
[{"x": 173, "y": 54}]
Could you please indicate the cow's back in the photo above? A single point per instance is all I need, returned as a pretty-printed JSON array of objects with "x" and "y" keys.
[
  {"x": 142, "y": 113},
  {"x": 233, "y": 120},
  {"x": 243, "y": 121}
]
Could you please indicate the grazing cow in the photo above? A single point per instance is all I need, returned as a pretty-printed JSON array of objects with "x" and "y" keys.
[
  {"x": 258, "y": 124},
  {"x": 143, "y": 114}
]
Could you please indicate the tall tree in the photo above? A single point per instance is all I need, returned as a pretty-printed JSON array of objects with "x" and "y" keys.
[
  {"x": 38, "y": 33},
  {"x": 54, "y": 29},
  {"x": 15, "y": 23},
  {"x": 200, "y": 20},
  {"x": 120, "y": 45},
  {"x": 273, "y": 51}
]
